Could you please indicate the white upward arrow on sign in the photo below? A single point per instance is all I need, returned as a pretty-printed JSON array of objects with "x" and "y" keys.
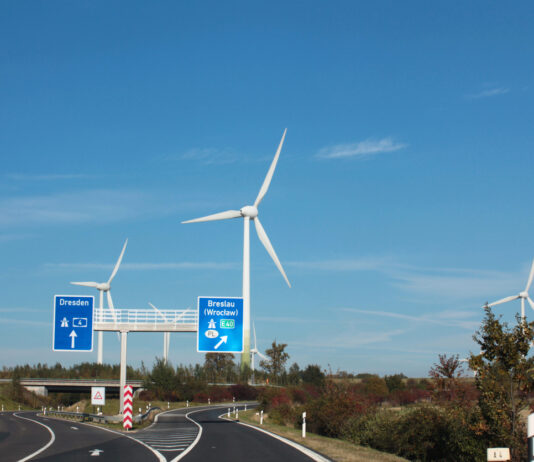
[{"x": 72, "y": 336}]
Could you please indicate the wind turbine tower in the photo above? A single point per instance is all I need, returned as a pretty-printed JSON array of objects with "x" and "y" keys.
[
  {"x": 250, "y": 212},
  {"x": 104, "y": 287}
]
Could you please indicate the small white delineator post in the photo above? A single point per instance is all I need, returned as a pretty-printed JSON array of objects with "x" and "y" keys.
[
  {"x": 237, "y": 414},
  {"x": 228, "y": 412},
  {"x": 139, "y": 410},
  {"x": 2, "y": 408},
  {"x": 530, "y": 437},
  {"x": 19, "y": 407},
  {"x": 304, "y": 425},
  {"x": 261, "y": 417},
  {"x": 77, "y": 409},
  {"x": 233, "y": 399},
  {"x": 167, "y": 405},
  {"x": 209, "y": 400},
  {"x": 187, "y": 403},
  {"x": 234, "y": 410},
  {"x": 245, "y": 407}
]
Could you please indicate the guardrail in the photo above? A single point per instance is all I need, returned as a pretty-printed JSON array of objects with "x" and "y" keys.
[{"x": 98, "y": 418}]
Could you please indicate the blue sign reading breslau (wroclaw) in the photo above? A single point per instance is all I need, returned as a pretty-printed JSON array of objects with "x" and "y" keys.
[
  {"x": 73, "y": 323},
  {"x": 220, "y": 325}
]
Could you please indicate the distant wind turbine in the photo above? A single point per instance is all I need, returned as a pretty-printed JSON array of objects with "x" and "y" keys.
[
  {"x": 250, "y": 212},
  {"x": 522, "y": 295},
  {"x": 104, "y": 287},
  {"x": 255, "y": 351},
  {"x": 166, "y": 336}
]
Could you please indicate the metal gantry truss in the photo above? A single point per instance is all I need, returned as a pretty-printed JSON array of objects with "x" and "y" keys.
[{"x": 131, "y": 320}]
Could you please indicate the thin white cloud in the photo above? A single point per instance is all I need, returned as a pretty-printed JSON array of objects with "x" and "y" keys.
[
  {"x": 425, "y": 318},
  {"x": 147, "y": 266},
  {"x": 210, "y": 155},
  {"x": 489, "y": 93},
  {"x": 100, "y": 206},
  {"x": 361, "y": 149},
  {"x": 47, "y": 177}
]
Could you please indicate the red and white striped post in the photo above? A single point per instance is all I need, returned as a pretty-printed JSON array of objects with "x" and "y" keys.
[{"x": 128, "y": 408}]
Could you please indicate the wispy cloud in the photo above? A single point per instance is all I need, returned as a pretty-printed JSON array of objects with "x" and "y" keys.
[
  {"x": 88, "y": 206},
  {"x": 443, "y": 319},
  {"x": 211, "y": 155},
  {"x": 46, "y": 177},
  {"x": 147, "y": 266},
  {"x": 361, "y": 149},
  {"x": 435, "y": 283},
  {"x": 489, "y": 93}
]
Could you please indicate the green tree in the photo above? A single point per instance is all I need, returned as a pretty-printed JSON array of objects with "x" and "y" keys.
[
  {"x": 220, "y": 367},
  {"x": 162, "y": 380},
  {"x": 293, "y": 376},
  {"x": 277, "y": 360},
  {"x": 395, "y": 382},
  {"x": 313, "y": 375},
  {"x": 504, "y": 380}
]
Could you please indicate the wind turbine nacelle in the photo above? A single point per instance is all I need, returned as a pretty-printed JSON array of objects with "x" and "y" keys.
[
  {"x": 249, "y": 211},
  {"x": 103, "y": 286},
  {"x": 523, "y": 294}
]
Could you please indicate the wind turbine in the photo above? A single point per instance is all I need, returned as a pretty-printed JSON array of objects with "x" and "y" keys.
[
  {"x": 522, "y": 295},
  {"x": 104, "y": 287},
  {"x": 250, "y": 212},
  {"x": 166, "y": 336},
  {"x": 255, "y": 351}
]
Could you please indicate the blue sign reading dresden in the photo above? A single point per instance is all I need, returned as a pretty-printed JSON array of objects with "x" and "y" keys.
[
  {"x": 220, "y": 325},
  {"x": 73, "y": 323}
]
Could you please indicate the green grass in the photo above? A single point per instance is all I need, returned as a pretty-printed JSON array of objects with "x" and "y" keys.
[{"x": 335, "y": 449}]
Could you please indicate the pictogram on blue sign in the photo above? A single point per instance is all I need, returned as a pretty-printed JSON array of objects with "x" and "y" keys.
[
  {"x": 73, "y": 323},
  {"x": 220, "y": 325}
]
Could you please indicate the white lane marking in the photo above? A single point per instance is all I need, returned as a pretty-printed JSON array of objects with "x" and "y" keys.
[
  {"x": 46, "y": 446},
  {"x": 311, "y": 454},
  {"x": 160, "y": 457},
  {"x": 74, "y": 428},
  {"x": 197, "y": 439}
]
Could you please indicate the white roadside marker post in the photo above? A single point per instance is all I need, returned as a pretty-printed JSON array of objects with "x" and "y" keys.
[
  {"x": 228, "y": 412},
  {"x": 187, "y": 403},
  {"x": 237, "y": 414},
  {"x": 245, "y": 407},
  {"x": 304, "y": 425},
  {"x": 233, "y": 399},
  {"x": 209, "y": 401},
  {"x": 530, "y": 436},
  {"x": 261, "y": 417}
]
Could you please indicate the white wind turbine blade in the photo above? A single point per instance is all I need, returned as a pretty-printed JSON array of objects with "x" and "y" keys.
[
  {"x": 254, "y": 331},
  {"x": 158, "y": 311},
  {"x": 530, "y": 302},
  {"x": 265, "y": 186},
  {"x": 530, "y": 277},
  {"x": 262, "y": 356},
  {"x": 118, "y": 262},
  {"x": 85, "y": 284},
  {"x": 217, "y": 216},
  {"x": 268, "y": 246},
  {"x": 111, "y": 307},
  {"x": 504, "y": 300}
]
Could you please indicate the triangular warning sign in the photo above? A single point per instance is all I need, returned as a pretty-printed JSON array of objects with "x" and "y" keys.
[{"x": 98, "y": 395}]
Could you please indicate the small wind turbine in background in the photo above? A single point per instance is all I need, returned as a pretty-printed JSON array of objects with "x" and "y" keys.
[
  {"x": 104, "y": 287},
  {"x": 250, "y": 212},
  {"x": 255, "y": 351},
  {"x": 522, "y": 295},
  {"x": 166, "y": 336}
]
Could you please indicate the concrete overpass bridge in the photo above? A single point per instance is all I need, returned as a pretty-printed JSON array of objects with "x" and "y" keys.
[{"x": 44, "y": 386}]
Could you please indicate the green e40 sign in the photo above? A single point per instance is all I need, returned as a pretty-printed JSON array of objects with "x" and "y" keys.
[{"x": 227, "y": 323}]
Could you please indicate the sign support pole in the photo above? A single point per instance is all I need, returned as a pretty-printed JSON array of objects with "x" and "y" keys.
[{"x": 124, "y": 338}]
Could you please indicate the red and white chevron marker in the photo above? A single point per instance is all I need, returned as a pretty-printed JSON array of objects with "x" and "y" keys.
[{"x": 128, "y": 407}]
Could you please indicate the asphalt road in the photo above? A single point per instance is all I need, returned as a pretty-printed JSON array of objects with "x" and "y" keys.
[
  {"x": 191, "y": 434},
  {"x": 61, "y": 440}
]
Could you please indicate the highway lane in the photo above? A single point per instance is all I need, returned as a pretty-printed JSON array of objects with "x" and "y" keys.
[
  {"x": 74, "y": 441},
  {"x": 20, "y": 437},
  {"x": 225, "y": 440}
]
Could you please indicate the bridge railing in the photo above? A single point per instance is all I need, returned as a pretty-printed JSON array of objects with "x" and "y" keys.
[{"x": 143, "y": 316}]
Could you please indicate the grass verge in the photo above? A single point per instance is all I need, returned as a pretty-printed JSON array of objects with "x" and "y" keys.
[{"x": 333, "y": 448}]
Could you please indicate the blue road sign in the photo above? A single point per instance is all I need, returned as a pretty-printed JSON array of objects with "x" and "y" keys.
[
  {"x": 73, "y": 323},
  {"x": 220, "y": 325}
]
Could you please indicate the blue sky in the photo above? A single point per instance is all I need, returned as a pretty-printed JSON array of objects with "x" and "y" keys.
[{"x": 401, "y": 202}]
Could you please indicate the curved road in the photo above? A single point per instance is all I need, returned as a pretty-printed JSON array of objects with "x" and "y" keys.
[{"x": 190, "y": 434}]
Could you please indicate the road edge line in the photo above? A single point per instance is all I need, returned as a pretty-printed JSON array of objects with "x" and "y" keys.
[
  {"x": 307, "y": 451},
  {"x": 44, "y": 447}
]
